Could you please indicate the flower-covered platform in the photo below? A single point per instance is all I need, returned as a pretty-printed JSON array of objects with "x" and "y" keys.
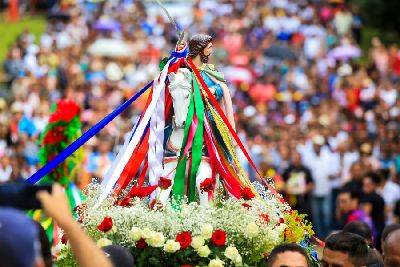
[{"x": 231, "y": 233}]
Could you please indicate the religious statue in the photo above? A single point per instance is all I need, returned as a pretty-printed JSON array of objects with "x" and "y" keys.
[{"x": 197, "y": 180}]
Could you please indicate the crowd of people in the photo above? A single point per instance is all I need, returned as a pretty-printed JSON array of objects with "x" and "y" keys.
[{"x": 320, "y": 121}]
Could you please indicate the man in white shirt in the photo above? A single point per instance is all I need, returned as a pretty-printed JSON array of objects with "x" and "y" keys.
[{"x": 318, "y": 160}]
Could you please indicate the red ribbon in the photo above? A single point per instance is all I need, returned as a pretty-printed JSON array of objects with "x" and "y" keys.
[{"x": 236, "y": 137}]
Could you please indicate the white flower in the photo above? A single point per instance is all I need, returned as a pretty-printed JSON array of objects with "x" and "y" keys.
[
  {"x": 172, "y": 246},
  {"x": 204, "y": 251},
  {"x": 102, "y": 242},
  {"x": 146, "y": 233},
  {"x": 238, "y": 260},
  {"x": 197, "y": 242},
  {"x": 156, "y": 240},
  {"x": 252, "y": 229},
  {"x": 135, "y": 233},
  {"x": 206, "y": 231},
  {"x": 216, "y": 263},
  {"x": 231, "y": 252}
]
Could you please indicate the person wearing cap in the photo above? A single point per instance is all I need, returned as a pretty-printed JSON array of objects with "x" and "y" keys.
[
  {"x": 19, "y": 240},
  {"x": 119, "y": 256}
]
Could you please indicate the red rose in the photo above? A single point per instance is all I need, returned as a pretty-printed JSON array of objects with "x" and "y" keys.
[
  {"x": 156, "y": 205},
  {"x": 247, "y": 194},
  {"x": 141, "y": 244},
  {"x": 218, "y": 238},
  {"x": 281, "y": 220},
  {"x": 264, "y": 216},
  {"x": 247, "y": 206},
  {"x": 64, "y": 239},
  {"x": 164, "y": 183},
  {"x": 185, "y": 239},
  {"x": 207, "y": 185},
  {"x": 105, "y": 225}
]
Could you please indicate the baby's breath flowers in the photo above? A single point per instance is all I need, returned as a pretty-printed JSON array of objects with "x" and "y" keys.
[{"x": 227, "y": 234}]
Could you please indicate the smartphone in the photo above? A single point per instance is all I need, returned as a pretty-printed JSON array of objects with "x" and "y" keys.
[{"x": 21, "y": 196}]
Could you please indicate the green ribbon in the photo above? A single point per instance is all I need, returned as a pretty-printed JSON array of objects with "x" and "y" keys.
[
  {"x": 197, "y": 146},
  {"x": 178, "y": 189}
]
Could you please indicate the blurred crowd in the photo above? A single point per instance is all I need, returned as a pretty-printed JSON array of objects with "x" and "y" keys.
[{"x": 319, "y": 120}]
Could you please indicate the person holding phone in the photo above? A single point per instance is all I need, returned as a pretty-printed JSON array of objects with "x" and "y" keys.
[{"x": 55, "y": 204}]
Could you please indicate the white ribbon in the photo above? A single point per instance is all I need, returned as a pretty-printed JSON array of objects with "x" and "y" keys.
[
  {"x": 124, "y": 156},
  {"x": 156, "y": 137}
]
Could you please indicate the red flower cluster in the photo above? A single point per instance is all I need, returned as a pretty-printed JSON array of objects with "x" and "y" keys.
[
  {"x": 53, "y": 137},
  {"x": 247, "y": 194},
  {"x": 185, "y": 239},
  {"x": 247, "y": 206},
  {"x": 207, "y": 185},
  {"x": 164, "y": 183},
  {"x": 105, "y": 225},
  {"x": 66, "y": 110},
  {"x": 218, "y": 238},
  {"x": 141, "y": 244},
  {"x": 264, "y": 216}
]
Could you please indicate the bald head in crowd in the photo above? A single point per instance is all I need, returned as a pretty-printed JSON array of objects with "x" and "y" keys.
[{"x": 391, "y": 249}]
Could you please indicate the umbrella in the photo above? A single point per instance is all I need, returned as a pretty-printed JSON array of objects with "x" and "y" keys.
[
  {"x": 109, "y": 48},
  {"x": 106, "y": 24},
  {"x": 280, "y": 52},
  {"x": 262, "y": 93},
  {"x": 58, "y": 15},
  {"x": 345, "y": 52}
]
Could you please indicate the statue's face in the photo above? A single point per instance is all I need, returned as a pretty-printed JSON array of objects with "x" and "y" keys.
[{"x": 204, "y": 56}]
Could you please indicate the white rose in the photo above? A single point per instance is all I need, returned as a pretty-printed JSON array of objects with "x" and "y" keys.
[
  {"x": 252, "y": 229},
  {"x": 146, "y": 233},
  {"x": 172, "y": 246},
  {"x": 156, "y": 240},
  {"x": 102, "y": 242},
  {"x": 135, "y": 233},
  {"x": 231, "y": 252},
  {"x": 216, "y": 263},
  {"x": 204, "y": 251},
  {"x": 197, "y": 242},
  {"x": 206, "y": 231},
  {"x": 238, "y": 260}
]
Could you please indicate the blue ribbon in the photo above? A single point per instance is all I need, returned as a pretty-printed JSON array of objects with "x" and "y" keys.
[
  {"x": 83, "y": 139},
  {"x": 97, "y": 128}
]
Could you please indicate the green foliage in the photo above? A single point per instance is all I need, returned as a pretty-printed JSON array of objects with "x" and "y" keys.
[{"x": 10, "y": 31}]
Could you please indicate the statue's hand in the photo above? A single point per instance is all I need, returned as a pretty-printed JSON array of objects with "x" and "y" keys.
[{"x": 181, "y": 46}]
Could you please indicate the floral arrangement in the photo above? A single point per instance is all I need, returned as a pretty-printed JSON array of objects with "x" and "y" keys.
[
  {"x": 232, "y": 233},
  {"x": 64, "y": 127}
]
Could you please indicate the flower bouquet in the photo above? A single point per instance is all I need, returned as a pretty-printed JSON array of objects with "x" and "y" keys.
[{"x": 231, "y": 233}]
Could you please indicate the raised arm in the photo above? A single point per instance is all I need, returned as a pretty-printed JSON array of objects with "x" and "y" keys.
[{"x": 85, "y": 250}]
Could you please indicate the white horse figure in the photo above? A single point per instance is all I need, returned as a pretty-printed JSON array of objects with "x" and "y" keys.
[{"x": 180, "y": 87}]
